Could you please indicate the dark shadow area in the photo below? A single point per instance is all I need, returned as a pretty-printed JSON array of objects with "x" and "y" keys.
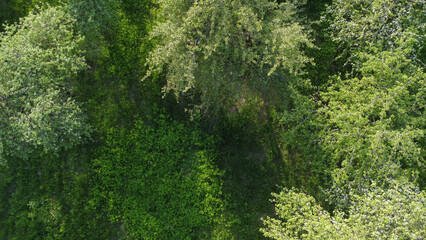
[{"x": 251, "y": 173}]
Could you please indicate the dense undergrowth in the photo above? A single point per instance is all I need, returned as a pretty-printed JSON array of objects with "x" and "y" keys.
[{"x": 166, "y": 119}]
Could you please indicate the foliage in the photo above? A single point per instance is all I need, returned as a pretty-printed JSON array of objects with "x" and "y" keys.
[
  {"x": 44, "y": 195},
  {"x": 161, "y": 182},
  {"x": 51, "y": 197},
  {"x": 373, "y": 120},
  {"x": 39, "y": 58},
  {"x": 96, "y": 21},
  {"x": 352, "y": 141},
  {"x": 394, "y": 213},
  {"x": 116, "y": 48},
  {"x": 12, "y": 10},
  {"x": 368, "y": 124},
  {"x": 382, "y": 22},
  {"x": 219, "y": 53}
]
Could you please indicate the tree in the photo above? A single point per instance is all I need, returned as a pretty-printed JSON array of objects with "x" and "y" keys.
[
  {"x": 379, "y": 22},
  {"x": 219, "y": 53},
  {"x": 375, "y": 123},
  {"x": 373, "y": 119},
  {"x": 369, "y": 124},
  {"x": 395, "y": 213},
  {"x": 39, "y": 59}
]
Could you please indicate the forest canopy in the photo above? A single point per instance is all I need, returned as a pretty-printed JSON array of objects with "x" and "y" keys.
[{"x": 212, "y": 119}]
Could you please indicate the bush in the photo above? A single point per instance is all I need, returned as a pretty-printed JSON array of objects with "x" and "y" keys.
[{"x": 160, "y": 181}]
